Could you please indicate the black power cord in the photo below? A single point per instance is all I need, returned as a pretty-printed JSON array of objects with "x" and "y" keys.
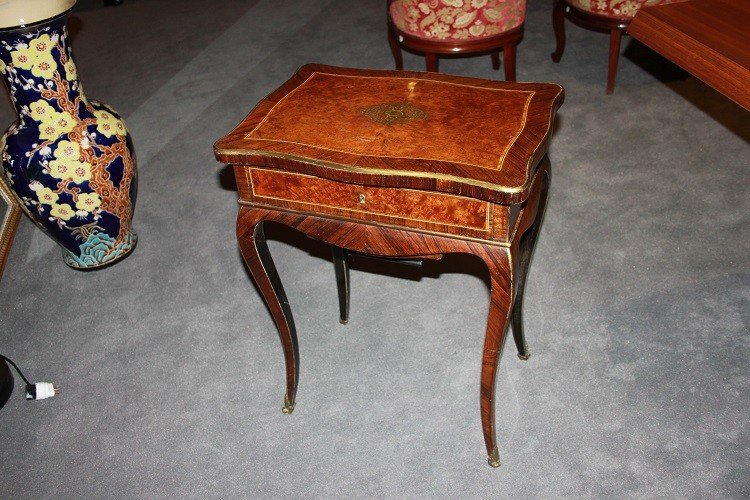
[{"x": 39, "y": 390}]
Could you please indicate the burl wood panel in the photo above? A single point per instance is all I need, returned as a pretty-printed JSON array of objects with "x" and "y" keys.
[
  {"x": 476, "y": 138},
  {"x": 709, "y": 38},
  {"x": 327, "y": 103},
  {"x": 431, "y": 211}
]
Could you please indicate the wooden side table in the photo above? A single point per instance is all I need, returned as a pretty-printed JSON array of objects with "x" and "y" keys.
[{"x": 399, "y": 165}]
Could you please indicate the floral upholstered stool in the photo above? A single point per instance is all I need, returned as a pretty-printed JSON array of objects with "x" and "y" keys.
[
  {"x": 609, "y": 16},
  {"x": 401, "y": 165},
  {"x": 458, "y": 27}
]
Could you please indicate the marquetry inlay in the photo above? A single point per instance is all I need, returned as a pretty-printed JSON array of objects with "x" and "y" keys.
[{"x": 392, "y": 113}]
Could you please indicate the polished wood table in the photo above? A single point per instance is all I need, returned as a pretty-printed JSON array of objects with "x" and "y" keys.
[
  {"x": 398, "y": 165},
  {"x": 708, "y": 38}
]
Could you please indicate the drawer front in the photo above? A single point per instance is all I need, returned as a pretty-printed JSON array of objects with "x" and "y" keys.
[{"x": 435, "y": 212}]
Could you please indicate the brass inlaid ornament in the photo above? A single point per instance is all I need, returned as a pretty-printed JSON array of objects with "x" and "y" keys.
[{"x": 392, "y": 113}]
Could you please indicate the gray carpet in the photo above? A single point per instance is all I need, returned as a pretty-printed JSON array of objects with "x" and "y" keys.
[{"x": 171, "y": 370}]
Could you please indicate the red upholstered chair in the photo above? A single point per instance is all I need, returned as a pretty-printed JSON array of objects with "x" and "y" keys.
[
  {"x": 608, "y": 16},
  {"x": 457, "y": 27}
]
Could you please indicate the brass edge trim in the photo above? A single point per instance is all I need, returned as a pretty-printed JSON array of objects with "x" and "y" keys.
[
  {"x": 443, "y": 160},
  {"x": 375, "y": 171},
  {"x": 485, "y": 203},
  {"x": 374, "y": 223},
  {"x": 249, "y": 179}
]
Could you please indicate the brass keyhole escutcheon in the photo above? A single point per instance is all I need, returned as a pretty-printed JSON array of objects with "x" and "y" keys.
[{"x": 362, "y": 199}]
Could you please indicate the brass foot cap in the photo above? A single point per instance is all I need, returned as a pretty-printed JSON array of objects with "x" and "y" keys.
[
  {"x": 343, "y": 321},
  {"x": 524, "y": 357},
  {"x": 494, "y": 459},
  {"x": 288, "y": 406}
]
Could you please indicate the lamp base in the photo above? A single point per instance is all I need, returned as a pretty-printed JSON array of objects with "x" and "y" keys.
[{"x": 6, "y": 383}]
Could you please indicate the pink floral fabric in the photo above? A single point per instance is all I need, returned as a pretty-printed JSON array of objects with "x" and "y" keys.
[
  {"x": 457, "y": 19},
  {"x": 619, "y": 9}
]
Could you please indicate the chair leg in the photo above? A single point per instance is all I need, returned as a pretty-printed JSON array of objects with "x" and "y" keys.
[
  {"x": 614, "y": 55},
  {"x": 432, "y": 62},
  {"x": 496, "y": 61},
  {"x": 341, "y": 266},
  {"x": 509, "y": 60},
  {"x": 395, "y": 49},
  {"x": 558, "y": 24}
]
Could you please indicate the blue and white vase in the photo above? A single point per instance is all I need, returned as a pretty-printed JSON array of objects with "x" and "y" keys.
[{"x": 69, "y": 160}]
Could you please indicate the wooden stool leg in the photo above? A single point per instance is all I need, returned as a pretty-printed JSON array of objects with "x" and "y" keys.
[
  {"x": 395, "y": 49},
  {"x": 509, "y": 60},
  {"x": 498, "y": 263},
  {"x": 615, "y": 36},
  {"x": 258, "y": 259},
  {"x": 496, "y": 61},
  {"x": 528, "y": 242},
  {"x": 558, "y": 24},
  {"x": 341, "y": 265},
  {"x": 432, "y": 62}
]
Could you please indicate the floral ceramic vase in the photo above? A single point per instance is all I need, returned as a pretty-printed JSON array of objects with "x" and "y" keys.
[{"x": 68, "y": 159}]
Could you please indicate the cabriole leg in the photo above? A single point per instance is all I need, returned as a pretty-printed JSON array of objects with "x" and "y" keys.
[
  {"x": 498, "y": 264},
  {"x": 258, "y": 259},
  {"x": 341, "y": 265},
  {"x": 526, "y": 250}
]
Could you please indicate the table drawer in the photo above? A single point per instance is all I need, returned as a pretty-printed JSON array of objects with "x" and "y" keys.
[{"x": 436, "y": 212}]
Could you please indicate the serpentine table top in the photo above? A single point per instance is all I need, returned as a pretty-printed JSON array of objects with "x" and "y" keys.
[{"x": 477, "y": 138}]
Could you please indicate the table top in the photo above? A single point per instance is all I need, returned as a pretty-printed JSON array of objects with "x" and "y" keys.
[
  {"x": 708, "y": 38},
  {"x": 478, "y": 138}
]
